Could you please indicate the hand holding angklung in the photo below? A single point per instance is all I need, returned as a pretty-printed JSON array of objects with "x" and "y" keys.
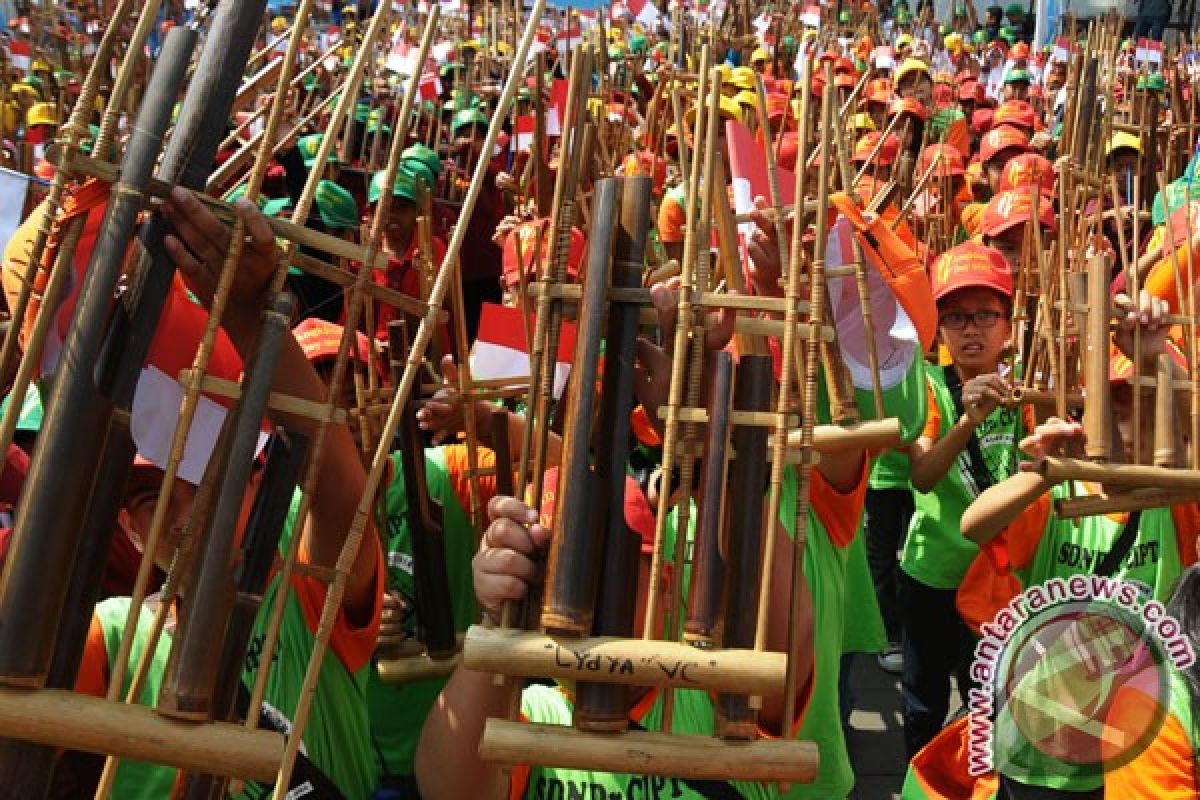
[
  {"x": 982, "y": 395},
  {"x": 1148, "y": 314},
  {"x": 199, "y": 245},
  {"x": 1054, "y": 437},
  {"x": 506, "y": 564},
  {"x": 652, "y": 371},
  {"x": 442, "y": 414}
]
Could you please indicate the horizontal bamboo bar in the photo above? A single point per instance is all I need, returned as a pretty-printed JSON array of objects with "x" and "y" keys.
[
  {"x": 1041, "y": 397},
  {"x": 306, "y": 237},
  {"x": 416, "y": 668},
  {"x": 740, "y": 302},
  {"x": 343, "y": 278},
  {"x": 285, "y": 403},
  {"x": 764, "y": 419},
  {"x": 631, "y": 662},
  {"x": 1137, "y": 500},
  {"x": 649, "y": 753},
  {"x": 72, "y": 721},
  {"x": 1130, "y": 475},
  {"x": 249, "y": 91},
  {"x": 876, "y": 434}
]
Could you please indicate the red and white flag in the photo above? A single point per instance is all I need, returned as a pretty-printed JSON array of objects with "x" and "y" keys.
[
  {"x": 402, "y": 55},
  {"x": 500, "y": 349},
  {"x": 556, "y": 111},
  {"x": 523, "y": 133},
  {"x": 430, "y": 86},
  {"x": 749, "y": 177},
  {"x": 1149, "y": 52},
  {"x": 19, "y": 53},
  {"x": 1062, "y": 49},
  {"x": 643, "y": 11},
  {"x": 811, "y": 16}
]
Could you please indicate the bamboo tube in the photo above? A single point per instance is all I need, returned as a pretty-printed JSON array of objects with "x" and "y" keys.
[
  {"x": 772, "y": 170},
  {"x": 627, "y": 662},
  {"x": 421, "y": 667},
  {"x": 1136, "y": 500},
  {"x": 447, "y": 272},
  {"x": 136, "y": 732},
  {"x": 1097, "y": 403},
  {"x": 696, "y": 757},
  {"x": 1164, "y": 414},
  {"x": 1124, "y": 475}
]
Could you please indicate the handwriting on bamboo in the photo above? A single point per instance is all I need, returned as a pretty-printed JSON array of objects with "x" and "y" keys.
[{"x": 587, "y": 661}]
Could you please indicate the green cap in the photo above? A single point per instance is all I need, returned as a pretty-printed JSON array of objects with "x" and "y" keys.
[
  {"x": 468, "y": 117},
  {"x": 272, "y": 207},
  {"x": 844, "y": 17},
  {"x": 1014, "y": 9},
  {"x": 309, "y": 146},
  {"x": 425, "y": 157},
  {"x": 1009, "y": 34},
  {"x": 373, "y": 122},
  {"x": 960, "y": 10},
  {"x": 405, "y": 186},
  {"x": 943, "y": 30},
  {"x": 1017, "y": 76},
  {"x": 87, "y": 144},
  {"x": 30, "y": 418},
  {"x": 336, "y": 206},
  {"x": 310, "y": 81},
  {"x": 941, "y": 121},
  {"x": 616, "y": 51},
  {"x": 361, "y": 112},
  {"x": 637, "y": 44},
  {"x": 460, "y": 99},
  {"x": 1153, "y": 82},
  {"x": 979, "y": 36},
  {"x": 35, "y": 81}
]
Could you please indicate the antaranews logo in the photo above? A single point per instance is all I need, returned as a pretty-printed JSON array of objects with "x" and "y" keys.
[{"x": 1074, "y": 676}]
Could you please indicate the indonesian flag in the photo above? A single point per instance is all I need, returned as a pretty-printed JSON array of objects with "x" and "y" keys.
[
  {"x": 1149, "y": 52},
  {"x": 570, "y": 36},
  {"x": 811, "y": 17},
  {"x": 587, "y": 19},
  {"x": 20, "y": 54},
  {"x": 885, "y": 58},
  {"x": 762, "y": 23},
  {"x": 500, "y": 349},
  {"x": 430, "y": 86},
  {"x": 749, "y": 179},
  {"x": 557, "y": 109},
  {"x": 643, "y": 11},
  {"x": 523, "y": 133},
  {"x": 401, "y": 58},
  {"x": 1062, "y": 49},
  {"x": 442, "y": 52}
]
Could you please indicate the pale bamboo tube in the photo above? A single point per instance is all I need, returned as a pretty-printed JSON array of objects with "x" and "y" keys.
[
  {"x": 73, "y": 721},
  {"x": 1135, "y": 476},
  {"x": 1097, "y": 403},
  {"x": 784, "y": 401},
  {"x": 698, "y": 757},
  {"x": 446, "y": 273},
  {"x": 811, "y": 369},
  {"x": 631, "y": 662},
  {"x": 683, "y": 325},
  {"x": 1136, "y": 500},
  {"x": 1164, "y": 414},
  {"x": 466, "y": 388},
  {"x": 772, "y": 170},
  {"x": 701, "y": 235},
  {"x": 299, "y": 216},
  {"x": 189, "y": 404},
  {"x": 75, "y": 130}
]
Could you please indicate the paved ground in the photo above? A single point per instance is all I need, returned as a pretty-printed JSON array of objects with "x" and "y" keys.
[{"x": 876, "y": 735}]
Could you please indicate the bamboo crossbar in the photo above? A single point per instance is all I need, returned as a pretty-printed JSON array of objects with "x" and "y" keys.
[
  {"x": 740, "y": 302},
  {"x": 1126, "y": 475},
  {"x": 73, "y": 721},
  {"x": 630, "y": 662},
  {"x": 305, "y": 237},
  {"x": 285, "y": 403},
  {"x": 1136, "y": 500},
  {"x": 416, "y": 668},
  {"x": 650, "y": 753}
]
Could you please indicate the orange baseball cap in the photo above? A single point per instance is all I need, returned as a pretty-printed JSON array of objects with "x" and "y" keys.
[
  {"x": 1028, "y": 170},
  {"x": 866, "y": 145},
  {"x": 879, "y": 90},
  {"x": 1009, "y": 209},
  {"x": 320, "y": 340},
  {"x": 999, "y": 139},
  {"x": 1015, "y": 112},
  {"x": 971, "y": 265},
  {"x": 1020, "y": 50},
  {"x": 530, "y": 233},
  {"x": 909, "y": 105},
  {"x": 970, "y": 90},
  {"x": 971, "y": 216},
  {"x": 950, "y": 163},
  {"x": 982, "y": 120}
]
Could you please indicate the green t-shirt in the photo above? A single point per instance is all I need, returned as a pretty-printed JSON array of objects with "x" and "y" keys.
[
  {"x": 1076, "y": 547},
  {"x": 693, "y": 715},
  {"x": 336, "y": 738},
  {"x": 397, "y": 712},
  {"x": 862, "y": 628},
  {"x": 935, "y": 552},
  {"x": 891, "y": 470}
]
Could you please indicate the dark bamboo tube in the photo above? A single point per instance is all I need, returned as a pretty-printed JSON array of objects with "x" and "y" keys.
[
  {"x": 576, "y": 545},
  {"x": 604, "y": 706},
  {"x": 752, "y": 392},
  {"x": 190, "y": 681},
  {"x": 708, "y": 567},
  {"x": 435, "y": 612}
]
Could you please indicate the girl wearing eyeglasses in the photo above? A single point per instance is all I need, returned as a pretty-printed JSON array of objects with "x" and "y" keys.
[{"x": 968, "y": 444}]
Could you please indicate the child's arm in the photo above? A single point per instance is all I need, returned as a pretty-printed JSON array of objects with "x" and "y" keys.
[
  {"x": 932, "y": 459},
  {"x": 198, "y": 248}
]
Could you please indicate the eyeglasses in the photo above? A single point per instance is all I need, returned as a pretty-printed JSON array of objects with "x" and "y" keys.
[{"x": 957, "y": 320}]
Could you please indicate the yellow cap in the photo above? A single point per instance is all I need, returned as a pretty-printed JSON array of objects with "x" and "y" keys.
[
  {"x": 42, "y": 114},
  {"x": 726, "y": 72},
  {"x": 760, "y": 55},
  {"x": 743, "y": 78},
  {"x": 1123, "y": 141},
  {"x": 863, "y": 122},
  {"x": 911, "y": 66},
  {"x": 746, "y": 98},
  {"x": 730, "y": 109},
  {"x": 279, "y": 25}
]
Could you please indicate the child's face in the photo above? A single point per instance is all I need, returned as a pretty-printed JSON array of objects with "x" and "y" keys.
[
  {"x": 1010, "y": 244},
  {"x": 986, "y": 328}
]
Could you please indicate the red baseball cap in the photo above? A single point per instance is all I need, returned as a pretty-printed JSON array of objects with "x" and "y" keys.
[
  {"x": 1016, "y": 112},
  {"x": 879, "y": 90},
  {"x": 320, "y": 340},
  {"x": 969, "y": 265},
  {"x": 866, "y": 145},
  {"x": 909, "y": 105},
  {"x": 530, "y": 233},
  {"x": 1009, "y": 209},
  {"x": 999, "y": 139},
  {"x": 970, "y": 90},
  {"x": 950, "y": 163},
  {"x": 982, "y": 120},
  {"x": 1027, "y": 170}
]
